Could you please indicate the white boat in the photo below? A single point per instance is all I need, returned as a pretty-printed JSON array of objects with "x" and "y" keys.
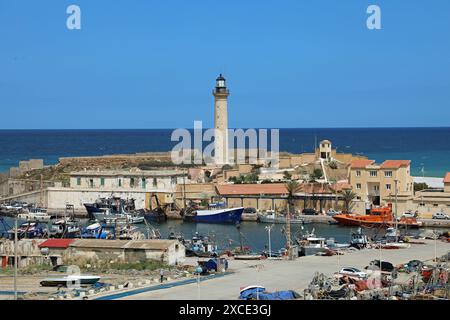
[
  {"x": 35, "y": 214},
  {"x": 70, "y": 280},
  {"x": 273, "y": 218},
  {"x": 312, "y": 246}
]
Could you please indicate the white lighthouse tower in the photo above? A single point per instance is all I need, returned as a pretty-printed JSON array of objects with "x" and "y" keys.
[{"x": 221, "y": 121}]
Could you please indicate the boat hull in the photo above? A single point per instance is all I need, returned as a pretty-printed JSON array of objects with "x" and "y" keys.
[
  {"x": 217, "y": 216},
  {"x": 349, "y": 220}
]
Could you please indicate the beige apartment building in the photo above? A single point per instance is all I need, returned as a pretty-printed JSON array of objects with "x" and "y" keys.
[{"x": 375, "y": 183}]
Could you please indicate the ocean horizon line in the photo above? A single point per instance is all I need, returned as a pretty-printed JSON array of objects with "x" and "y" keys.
[{"x": 189, "y": 128}]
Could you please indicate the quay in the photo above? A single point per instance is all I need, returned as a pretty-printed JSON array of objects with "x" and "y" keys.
[{"x": 294, "y": 275}]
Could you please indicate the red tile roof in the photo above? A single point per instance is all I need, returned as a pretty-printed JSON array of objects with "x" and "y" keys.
[
  {"x": 361, "y": 163},
  {"x": 56, "y": 243},
  {"x": 393, "y": 164},
  {"x": 447, "y": 178},
  {"x": 251, "y": 189}
]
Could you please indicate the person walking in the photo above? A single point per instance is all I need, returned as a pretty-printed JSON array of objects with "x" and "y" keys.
[{"x": 161, "y": 273}]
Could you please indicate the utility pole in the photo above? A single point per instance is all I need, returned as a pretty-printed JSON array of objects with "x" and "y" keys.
[
  {"x": 15, "y": 258},
  {"x": 396, "y": 209},
  {"x": 184, "y": 189}
]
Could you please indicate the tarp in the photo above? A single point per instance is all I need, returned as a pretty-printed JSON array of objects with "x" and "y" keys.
[{"x": 261, "y": 294}]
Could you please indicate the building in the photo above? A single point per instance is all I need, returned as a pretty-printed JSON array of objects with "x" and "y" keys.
[
  {"x": 429, "y": 201},
  {"x": 375, "y": 184},
  {"x": 170, "y": 252},
  {"x": 134, "y": 179},
  {"x": 221, "y": 94},
  {"x": 273, "y": 196}
]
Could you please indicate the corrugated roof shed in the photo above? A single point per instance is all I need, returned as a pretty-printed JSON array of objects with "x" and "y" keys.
[{"x": 123, "y": 244}]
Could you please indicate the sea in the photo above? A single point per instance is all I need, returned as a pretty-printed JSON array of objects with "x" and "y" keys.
[{"x": 427, "y": 148}]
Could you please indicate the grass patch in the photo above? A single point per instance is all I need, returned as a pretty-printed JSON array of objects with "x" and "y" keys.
[{"x": 140, "y": 266}]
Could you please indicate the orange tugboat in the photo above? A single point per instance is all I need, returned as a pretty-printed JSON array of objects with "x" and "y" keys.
[{"x": 378, "y": 217}]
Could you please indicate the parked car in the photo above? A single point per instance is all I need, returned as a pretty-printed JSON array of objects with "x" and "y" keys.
[
  {"x": 441, "y": 215},
  {"x": 310, "y": 212},
  {"x": 331, "y": 212},
  {"x": 385, "y": 266},
  {"x": 409, "y": 214},
  {"x": 250, "y": 210},
  {"x": 353, "y": 272}
]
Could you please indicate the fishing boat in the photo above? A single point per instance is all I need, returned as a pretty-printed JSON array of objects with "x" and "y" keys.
[
  {"x": 35, "y": 215},
  {"x": 64, "y": 228},
  {"x": 228, "y": 215},
  {"x": 378, "y": 217},
  {"x": 70, "y": 280},
  {"x": 273, "y": 218},
  {"x": 29, "y": 230},
  {"x": 358, "y": 239}
]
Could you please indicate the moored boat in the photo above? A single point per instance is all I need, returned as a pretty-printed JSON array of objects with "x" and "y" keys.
[
  {"x": 378, "y": 217},
  {"x": 228, "y": 215},
  {"x": 278, "y": 219}
]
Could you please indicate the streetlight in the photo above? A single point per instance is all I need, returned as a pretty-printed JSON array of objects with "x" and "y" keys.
[
  {"x": 198, "y": 270},
  {"x": 269, "y": 229}
]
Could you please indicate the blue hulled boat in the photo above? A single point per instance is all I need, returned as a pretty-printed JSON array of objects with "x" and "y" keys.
[{"x": 229, "y": 215}]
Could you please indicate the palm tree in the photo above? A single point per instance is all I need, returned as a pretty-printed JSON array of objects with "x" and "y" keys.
[
  {"x": 348, "y": 196},
  {"x": 291, "y": 187}
]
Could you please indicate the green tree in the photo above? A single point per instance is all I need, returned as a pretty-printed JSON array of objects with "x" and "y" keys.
[
  {"x": 418, "y": 186},
  {"x": 287, "y": 175},
  {"x": 317, "y": 174},
  {"x": 348, "y": 196}
]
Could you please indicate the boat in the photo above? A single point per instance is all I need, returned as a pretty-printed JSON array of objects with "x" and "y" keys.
[
  {"x": 228, "y": 215},
  {"x": 200, "y": 246},
  {"x": 312, "y": 246},
  {"x": 378, "y": 217},
  {"x": 70, "y": 280},
  {"x": 358, "y": 239},
  {"x": 248, "y": 256},
  {"x": 273, "y": 218},
  {"x": 64, "y": 228},
  {"x": 35, "y": 215},
  {"x": 29, "y": 230}
]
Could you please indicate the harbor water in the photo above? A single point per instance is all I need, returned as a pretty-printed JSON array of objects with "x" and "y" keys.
[{"x": 253, "y": 234}]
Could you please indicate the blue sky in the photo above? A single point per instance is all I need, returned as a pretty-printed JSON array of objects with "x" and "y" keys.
[{"x": 152, "y": 64}]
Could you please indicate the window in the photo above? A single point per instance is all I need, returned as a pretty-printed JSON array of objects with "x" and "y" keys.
[
  {"x": 388, "y": 174},
  {"x": 358, "y": 186},
  {"x": 155, "y": 182},
  {"x": 422, "y": 204},
  {"x": 91, "y": 183},
  {"x": 102, "y": 182},
  {"x": 373, "y": 173},
  {"x": 144, "y": 183},
  {"x": 132, "y": 182},
  {"x": 78, "y": 181},
  {"x": 435, "y": 205},
  {"x": 120, "y": 182},
  {"x": 358, "y": 173},
  {"x": 376, "y": 188},
  {"x": 174, "y": 180},
  {"x": 388, "y": 187}
]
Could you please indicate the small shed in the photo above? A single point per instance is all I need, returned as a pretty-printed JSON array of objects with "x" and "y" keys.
[
  {"x": 55, "y": 249},
  {"x": 170, "y": 252}
]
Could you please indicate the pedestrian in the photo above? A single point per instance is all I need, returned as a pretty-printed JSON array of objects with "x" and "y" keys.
[{"x": 161, "y": 273}]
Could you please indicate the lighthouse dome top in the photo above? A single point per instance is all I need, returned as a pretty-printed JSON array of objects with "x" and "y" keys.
[{"x": 220, "y": 82}]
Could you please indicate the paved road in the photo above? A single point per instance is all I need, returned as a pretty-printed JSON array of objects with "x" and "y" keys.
[{"x": 288, "y": 275}]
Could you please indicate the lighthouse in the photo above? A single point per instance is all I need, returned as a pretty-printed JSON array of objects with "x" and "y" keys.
[{"x": 221, "y": 94}]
